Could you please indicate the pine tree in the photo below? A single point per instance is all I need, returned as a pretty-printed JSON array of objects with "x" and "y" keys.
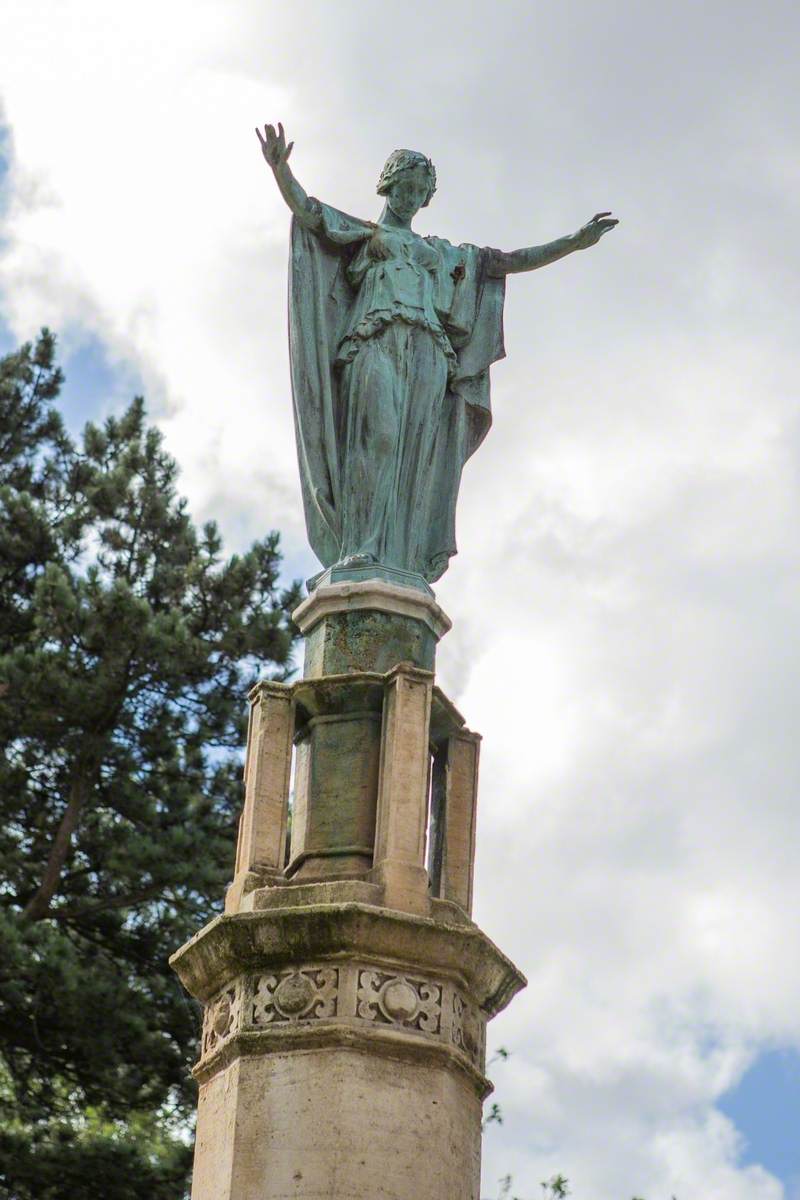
[{"x": 127, "y": 644}]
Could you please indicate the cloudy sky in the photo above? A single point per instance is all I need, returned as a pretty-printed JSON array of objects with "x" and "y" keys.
[{"x": 626, "y": 598}]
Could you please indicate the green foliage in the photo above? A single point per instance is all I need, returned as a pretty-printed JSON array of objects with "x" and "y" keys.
[
  {"x": 127, "y": 644},
  {"x": 494, "y": 1116},
  {"x": 97, "y": 1158},
  {"x": 555, "y": 1188}
]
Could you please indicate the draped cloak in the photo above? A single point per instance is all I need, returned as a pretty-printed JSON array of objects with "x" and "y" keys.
[{"x": 322, "y": 301}]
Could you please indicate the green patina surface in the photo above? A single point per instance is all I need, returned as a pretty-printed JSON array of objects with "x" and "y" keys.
[
  {"x": 391, "y": 337},
  {"x": 336, "y": 792},
  {"x": 367, "y": 640}
]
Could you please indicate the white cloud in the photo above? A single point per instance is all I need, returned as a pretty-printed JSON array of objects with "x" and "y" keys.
[{"x": 626, "y": 596}]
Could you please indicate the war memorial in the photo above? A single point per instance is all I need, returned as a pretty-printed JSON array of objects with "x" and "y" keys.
[{"x": 346, "y": 987}]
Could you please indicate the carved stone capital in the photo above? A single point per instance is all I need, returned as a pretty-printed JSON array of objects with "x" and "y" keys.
[{"x": 261, "y": 941}]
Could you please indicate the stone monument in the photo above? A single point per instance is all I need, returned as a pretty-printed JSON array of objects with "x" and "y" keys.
[{"x": 346, "y": 987}]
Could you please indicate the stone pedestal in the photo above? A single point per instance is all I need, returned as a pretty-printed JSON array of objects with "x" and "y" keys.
[
  {"x": 369, "y": 625},
  {"x": 346, "y": 987}
]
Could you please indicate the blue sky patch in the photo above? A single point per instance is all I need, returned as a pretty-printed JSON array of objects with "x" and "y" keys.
[
  {"x": 765, "y": 1106},
  {"x": 5, "y": 160},
  {"x": 94, "y": 388}
]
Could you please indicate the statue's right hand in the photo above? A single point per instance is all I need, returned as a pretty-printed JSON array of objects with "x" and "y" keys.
[{"x": 273, "y": 145}]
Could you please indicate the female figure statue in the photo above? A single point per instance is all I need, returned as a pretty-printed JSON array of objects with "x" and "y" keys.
[{"x": 391, "y": 336}]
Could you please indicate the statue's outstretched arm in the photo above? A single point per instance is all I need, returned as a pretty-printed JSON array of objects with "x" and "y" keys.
[
  {"x": 532, "y": 257},
  {"x": 276, "y": 153}
]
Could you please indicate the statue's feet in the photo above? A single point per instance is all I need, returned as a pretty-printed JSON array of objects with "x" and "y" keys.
[{"x": 357, "y": 560}]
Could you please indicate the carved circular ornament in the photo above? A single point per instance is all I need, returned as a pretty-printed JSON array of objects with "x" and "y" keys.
[
  {"x": 222, "y": 1017},
  {"x": 398, "y": 1000},
  {"x": 294, "y": 994}
]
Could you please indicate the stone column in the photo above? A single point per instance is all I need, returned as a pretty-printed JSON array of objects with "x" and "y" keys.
[
  {"x": 403, "y": 790},
  {"x": 454, "y": 802},
  {"x": 346, "y": 994},
  {"x": 261, "y": 847}
]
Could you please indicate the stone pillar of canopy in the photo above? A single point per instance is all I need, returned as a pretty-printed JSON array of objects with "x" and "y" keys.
[{"x": 346, "y": 988}]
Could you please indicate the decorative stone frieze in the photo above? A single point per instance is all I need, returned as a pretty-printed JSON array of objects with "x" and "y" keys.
[
  {"x": 221, "y": 1019},
  {"x": 308, "y": 994},
  {"x": 468, "y": 1029},
  {"x": 355, "y": 995},
  {"x": 400, "y": 1000}
]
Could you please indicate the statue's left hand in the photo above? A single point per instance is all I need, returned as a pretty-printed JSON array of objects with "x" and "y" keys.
[{"x": 590, "y": 233}]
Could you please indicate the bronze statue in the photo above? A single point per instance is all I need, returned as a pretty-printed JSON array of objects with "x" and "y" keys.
[{"x": 391, "y": 339}]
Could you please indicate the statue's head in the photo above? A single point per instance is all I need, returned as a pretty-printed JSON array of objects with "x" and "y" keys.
[{"x": 408, "y": 181}]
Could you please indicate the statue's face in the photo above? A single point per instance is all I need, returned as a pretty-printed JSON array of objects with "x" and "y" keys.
[{"x": 408, "y": 191}]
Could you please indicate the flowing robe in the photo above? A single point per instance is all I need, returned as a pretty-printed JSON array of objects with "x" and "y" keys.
[{"x": 391, "y": 337}]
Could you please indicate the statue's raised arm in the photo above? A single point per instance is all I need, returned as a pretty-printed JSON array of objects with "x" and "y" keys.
[
  {"x": 276, "y": 153},
  {"x": 530, "y": 258},
  {"x": 391, "y": 338}
]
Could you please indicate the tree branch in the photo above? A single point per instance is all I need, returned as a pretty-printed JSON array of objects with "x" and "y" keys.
[
  {"x": 39, "y": 904},
  {"x": 130, "y": 900}
]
